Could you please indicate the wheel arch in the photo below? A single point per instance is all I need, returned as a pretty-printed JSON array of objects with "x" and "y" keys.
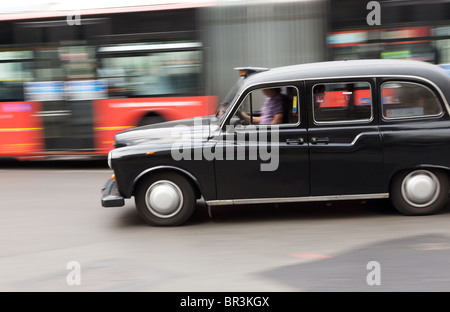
[
  {"x": 150, "y": 114},
  {"x": 189, "y": 176},
  {"x": 398, "y": 171}
]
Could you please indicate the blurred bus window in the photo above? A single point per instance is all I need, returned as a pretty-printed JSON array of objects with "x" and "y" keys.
[
  {"x": 159, "y": 73},
  {"x": 15, "y": 69}
]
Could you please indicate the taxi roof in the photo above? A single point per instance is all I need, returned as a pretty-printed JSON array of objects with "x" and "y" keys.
[
  {"x": 404, "y": 69},
  {"x": 352, "y": 68}
]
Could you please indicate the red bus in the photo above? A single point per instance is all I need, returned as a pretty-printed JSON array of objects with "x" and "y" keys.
[{"x": 67, "y": 88}]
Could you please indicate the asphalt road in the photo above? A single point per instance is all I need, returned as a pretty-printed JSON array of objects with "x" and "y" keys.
[{"x": 56, "y": 236}]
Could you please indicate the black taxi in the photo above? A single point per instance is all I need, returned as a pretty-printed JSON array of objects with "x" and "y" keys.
[{"x": 326, "y": 131}]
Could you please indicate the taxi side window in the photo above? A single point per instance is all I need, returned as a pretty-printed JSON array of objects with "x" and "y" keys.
[
  {"x": 262, "y": 105},
  {"x": 333, "y": 102},
  {"x": 408, "y": 100}
]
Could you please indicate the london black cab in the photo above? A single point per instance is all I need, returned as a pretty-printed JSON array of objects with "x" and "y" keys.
[{"x": 344, "y": 130}]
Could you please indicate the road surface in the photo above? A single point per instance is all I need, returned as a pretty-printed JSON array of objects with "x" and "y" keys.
[{"x": 56, "y": 236}]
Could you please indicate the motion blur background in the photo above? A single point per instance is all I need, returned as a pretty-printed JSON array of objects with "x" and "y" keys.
[{"x": 74, "y": 73}]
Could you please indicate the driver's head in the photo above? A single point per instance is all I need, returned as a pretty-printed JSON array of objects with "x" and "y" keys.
[{"x": 269, "y": 92}]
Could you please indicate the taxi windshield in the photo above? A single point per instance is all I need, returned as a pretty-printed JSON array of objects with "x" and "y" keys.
[{"x": 225, "y": 104}]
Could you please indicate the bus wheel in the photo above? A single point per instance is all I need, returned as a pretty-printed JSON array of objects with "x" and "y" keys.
[
  {"x": 150, "y": 120},
  {"x": 165, "y": 199},
  {"x": 419, "y": 192}
]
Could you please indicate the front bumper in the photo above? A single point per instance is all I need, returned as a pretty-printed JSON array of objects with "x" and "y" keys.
[{"x": 111, "y": 196}]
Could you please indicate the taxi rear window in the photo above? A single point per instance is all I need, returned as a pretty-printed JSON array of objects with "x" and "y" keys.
[{"x": 401, "y": 100}]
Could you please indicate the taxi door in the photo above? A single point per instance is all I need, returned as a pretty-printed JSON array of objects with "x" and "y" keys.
[
  {"x": 264, "y": 162},
  {"x": 345, "y": 147}
]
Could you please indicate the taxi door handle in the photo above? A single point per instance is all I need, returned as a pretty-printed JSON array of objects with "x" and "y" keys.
[
  {"x": 315, "y": 140},
  {"x": 295, "y": 141}
]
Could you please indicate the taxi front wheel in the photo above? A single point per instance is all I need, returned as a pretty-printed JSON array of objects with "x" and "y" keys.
[
  {"x": 420, "y": 192},
  {"x": 165, "y": 199}
]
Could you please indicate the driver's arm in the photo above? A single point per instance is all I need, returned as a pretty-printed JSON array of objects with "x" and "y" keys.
[
  {"x": 255, "y": 119},
  {"x": 277, "y": 119}
]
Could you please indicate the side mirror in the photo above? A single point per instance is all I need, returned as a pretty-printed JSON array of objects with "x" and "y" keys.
[{"x": 236, "y": 121}]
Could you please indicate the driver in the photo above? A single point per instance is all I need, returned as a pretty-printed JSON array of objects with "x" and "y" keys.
[{"x": 272, "y": 111}]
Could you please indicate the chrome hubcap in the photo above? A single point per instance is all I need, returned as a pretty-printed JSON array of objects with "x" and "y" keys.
[
  {"x": 420, "y": 188},
  {"x": 164, "y": 199}
]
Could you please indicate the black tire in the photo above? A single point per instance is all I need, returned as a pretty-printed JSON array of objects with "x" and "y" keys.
[
  {"x": 165, "y": 199},
  {"x": 420, "y": 191}
]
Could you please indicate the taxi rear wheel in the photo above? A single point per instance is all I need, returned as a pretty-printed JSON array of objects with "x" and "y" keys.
[
  {"x": 165, "y": 199},
  {"x": 419, "y": 192}
]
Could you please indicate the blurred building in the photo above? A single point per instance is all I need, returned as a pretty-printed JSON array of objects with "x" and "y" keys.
[
  {"x": 262, "y": 33},
  {"x": 412, "y": 29}
]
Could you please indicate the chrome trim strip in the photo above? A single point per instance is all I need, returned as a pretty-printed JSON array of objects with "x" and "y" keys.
[
  {"x": 363, "y": 134},
  {"x": 163, "y": 167},
  {"x": 295, "y": 199},
  {"x": 352, "y": 143}
]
